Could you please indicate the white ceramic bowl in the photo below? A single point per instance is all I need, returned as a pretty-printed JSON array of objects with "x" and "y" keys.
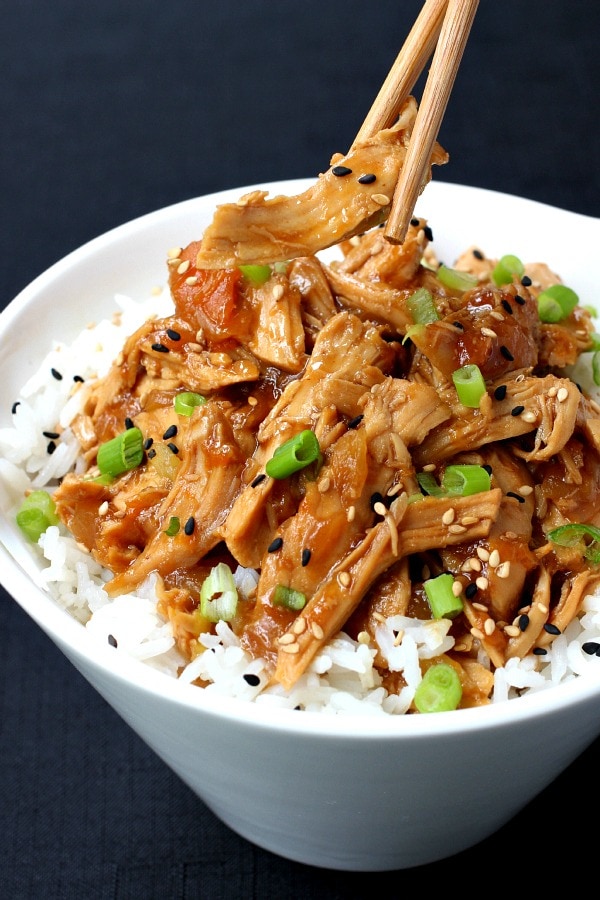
[{"x": 334, "y": 791}]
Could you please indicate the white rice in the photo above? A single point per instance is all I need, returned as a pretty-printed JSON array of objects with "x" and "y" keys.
[{"x": 341, "y": 679}]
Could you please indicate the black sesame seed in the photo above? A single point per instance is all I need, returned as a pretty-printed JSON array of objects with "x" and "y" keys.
[
  {"x": 539, "y": 651},
  {"x": 428, "y": 233},
  {"x": 590, "y": 647},
  {"x": 306, "y": 554},
  {"x": 151, "y": 454},
  {"x": 112, "y": 640},
  {"x": 148, "y": 443},
  {"x": 526, "y": 281},
  {"x": 478, "y": 254},
  {"x": 414, "y": 222},
  {"x": 190, "y": 526},
  {"x": 520, "y": 300},
  {"x": 51, "y": 434},
  {"x": 14, "y": 406},
  {"x": 508, "y": 308},
  {"x": 51, "y": 447},
  {"x": 275, "y": 545},
  {"x": 160, "y": 348},
  {"x": 174, "y": 335},
  {"x": 173, "y": 447},
  {"x": 251, "y": 679},
  {"x": 471, "y": 590},
  {"x": 340, "y": 171},
  {"x": 355, "y": 422},
  {"x": 515, "y": 496},
  {"x": 376, "y": 497},
  {"x": 258, "y": 480},
  {"x": 129, "y": 423},
  {"x": 78, "y": 379},
  {"x": 523, "y": 622},
  {"x": 170, "y": 432},
  {"x": 517, "y": 410},
  {"x": 367, "y": 179},
  {"x": 551, "y": 629},
  {"x": 500, "y": 392},
  {"x": 506, "y": 353},
  {"x": 459, "y": 325},
  {"x": 56, "y": 374}
]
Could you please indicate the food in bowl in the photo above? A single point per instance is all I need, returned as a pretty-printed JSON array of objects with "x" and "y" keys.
[{"x": 364, "y": 481}]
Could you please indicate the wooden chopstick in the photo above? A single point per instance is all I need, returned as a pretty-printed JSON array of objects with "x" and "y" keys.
[
  {"x": 446, "y": 60},
  {"x": 405, "y": 70}
]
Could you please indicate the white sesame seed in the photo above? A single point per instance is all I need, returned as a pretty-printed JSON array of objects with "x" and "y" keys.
[
  {"x": 483, "y": 554},
  {"x": 350, "y": 513},
  {"x": 512, "y": 630},
  {"x": 525, "y": 490},
  {"x": 482, "y": 582},
  {"x": 317, "y": 631},
  {"x": 379, "y": 508},
  {"x": 503, "y": 570},
  {"x": 299, "y": 625},
  {"x": 477, "y": 633},
  {"x": 457, "y": 588},
  {"x": 457, "y": 529},
  {"x": 529, "y": 416},
  {"x": 562, "y": 394},
  {"x": 193, "y": 279},
  {"x": 380, "y": 199},
  {"x": 290, "y": 648},
  {"x": 183, "y": 267},
  {"x": 448, "y": 516},
  {"x": 344, "y": 579},
  {"x": 286, "y": 638},
  {"x": 489, "y": 626},
  {"x": 489, "y": 333},
  {"x": 103, "y": 508},
  {"x": 475, "y": 563},
  {"x": 494, "y": 559}
]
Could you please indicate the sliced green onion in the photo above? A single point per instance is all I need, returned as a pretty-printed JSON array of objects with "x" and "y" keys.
[
  {"x": 455, "y": 279},
  {"x": 556, "y": 303},
  {"x": 256, "y": 275},
  {"x": 585, "y": 537},
  {"x": 462, "y": 481},
  {"x": 218, "y": 594},
  {"x": 506, "y": 268},
  {"x": 297, "y": 453},
  {"x": 186, "y": 402},
  {"x": 36, "y": 513},
  {"x": 412, "y": 330},
  {"x": 122, "y": 453},
  {"x": 469, "y": 384},
  {"x": 440, "y": 595},
  {"x": 439, "y": 690},
  {"x": 288, "y": 597},
  {"x": 173, "y": 526},
  {"x": 596, "y": 366},
  {"x": 428, "y": 483},
  {"x": 422, "y": 307}
]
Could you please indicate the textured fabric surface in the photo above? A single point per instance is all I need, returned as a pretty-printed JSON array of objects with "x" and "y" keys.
[{"x": 110, "y": 110}]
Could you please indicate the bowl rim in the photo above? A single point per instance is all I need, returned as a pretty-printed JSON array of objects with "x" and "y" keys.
[{"x": 84, "y": 650}]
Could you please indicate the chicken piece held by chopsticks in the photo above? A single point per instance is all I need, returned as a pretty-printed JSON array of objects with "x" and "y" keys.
[{"x": 355, "y": 194}]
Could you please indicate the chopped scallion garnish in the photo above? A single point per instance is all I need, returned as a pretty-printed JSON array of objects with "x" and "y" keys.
[
  {"x": 469, "y": 384},
  {"x": 256, "y": 275},
  {"x": 173, "y": 527},
  {"x": 596, "y": 367},
  {"x": 506, "y": 269},
  {"x": 36, "y": 513},
  {"x": 218, "y": 594},
  {"x": 439, "y": 690},
  {"x": 465, "y": 480},
  {"x": 428, "y": 483},
  {"x": 288, "y": 597},
  {"x": 186, "y": 402},
  {"x": 122, "y": 453},
  {"x": 295, "y": 454},
  {"x": 586, "y": 538},
  {"x": 422, "y": 307},
  {"x": 556, "y": 303},
  {"x": 455, "y": 279},
  {"x": 443, "y": 602}
]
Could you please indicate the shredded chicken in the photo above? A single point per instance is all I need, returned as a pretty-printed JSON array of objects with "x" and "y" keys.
[{"x": 332, "y": 348}]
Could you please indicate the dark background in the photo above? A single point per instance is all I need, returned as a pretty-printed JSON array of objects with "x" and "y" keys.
[{"x": 112, "y": 109}]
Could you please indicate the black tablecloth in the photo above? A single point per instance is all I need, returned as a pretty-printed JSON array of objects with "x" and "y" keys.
[{"x": 114, "y": 109}]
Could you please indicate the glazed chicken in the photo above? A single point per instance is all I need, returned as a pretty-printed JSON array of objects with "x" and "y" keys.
[{"x": 336, "y": 349}]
